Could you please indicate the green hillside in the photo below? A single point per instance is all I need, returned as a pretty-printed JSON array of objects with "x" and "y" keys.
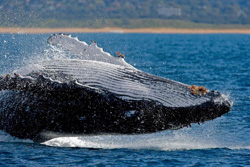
[{"x": 123, "y": 13}]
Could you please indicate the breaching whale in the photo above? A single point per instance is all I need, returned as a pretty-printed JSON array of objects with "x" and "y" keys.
[{"x": 95, "y": 93}]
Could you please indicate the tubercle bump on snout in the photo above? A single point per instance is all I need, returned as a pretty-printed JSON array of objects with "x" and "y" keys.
[{"x": 221, "y": 101}]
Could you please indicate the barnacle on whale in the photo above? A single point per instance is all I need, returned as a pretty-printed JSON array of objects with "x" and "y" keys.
[
  {"x": 16, "y": 75},
  {"x": 196, "y": 90},
  {"x": 7, "y": 75},
  {"x": 120, "y": 55}
]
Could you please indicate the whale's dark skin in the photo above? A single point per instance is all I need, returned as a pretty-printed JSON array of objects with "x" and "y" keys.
[
  {"x": 68, "y": 108},
  {"x": 31, "y": 106}
]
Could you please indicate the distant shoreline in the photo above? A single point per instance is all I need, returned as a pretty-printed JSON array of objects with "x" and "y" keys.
[{"x": 121, "y": 30}]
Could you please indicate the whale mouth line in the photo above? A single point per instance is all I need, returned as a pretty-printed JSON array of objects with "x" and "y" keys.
[{"x": 98, "y": 93}]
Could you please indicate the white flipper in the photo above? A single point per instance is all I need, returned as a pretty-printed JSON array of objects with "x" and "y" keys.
[{"x": 85, "y": 51}]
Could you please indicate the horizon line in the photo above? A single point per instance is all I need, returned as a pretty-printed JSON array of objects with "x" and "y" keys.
[{"x": 28, "y": 30}]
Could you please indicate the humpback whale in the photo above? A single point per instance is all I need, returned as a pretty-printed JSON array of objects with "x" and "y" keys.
[{"x": 94, "y": 93}]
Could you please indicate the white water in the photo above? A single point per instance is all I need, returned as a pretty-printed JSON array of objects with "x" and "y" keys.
[
  {"x": 204, "y": 136},
  {"x": 154, "y": 141},
  {"x": 175, "y": 141}
]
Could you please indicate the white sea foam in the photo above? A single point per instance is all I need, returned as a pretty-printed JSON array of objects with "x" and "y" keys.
[
  {"x": 168, "y": 143},
  {"x": 183, "y": 139}
]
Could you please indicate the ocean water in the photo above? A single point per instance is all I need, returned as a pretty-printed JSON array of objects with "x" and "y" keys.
[{"x": 217, "y": 61}]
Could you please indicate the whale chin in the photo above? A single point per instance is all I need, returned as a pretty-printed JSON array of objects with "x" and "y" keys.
[{"x": 97, "y": 93}]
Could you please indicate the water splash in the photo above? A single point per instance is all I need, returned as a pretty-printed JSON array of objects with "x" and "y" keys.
[
  {"x": 184, "y": 139},
  {"x": 55, "y": 53},
  {"x": 51, "y": 53}
]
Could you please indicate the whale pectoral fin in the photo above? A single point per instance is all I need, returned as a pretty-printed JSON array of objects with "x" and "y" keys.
[{"x": 84, "y": 51}]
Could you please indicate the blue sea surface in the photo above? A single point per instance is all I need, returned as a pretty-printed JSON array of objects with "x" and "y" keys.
[{"x": 217, "y": 61}]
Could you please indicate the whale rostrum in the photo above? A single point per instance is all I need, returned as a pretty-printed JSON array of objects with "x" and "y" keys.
[{"x": 96, "y": 93}]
